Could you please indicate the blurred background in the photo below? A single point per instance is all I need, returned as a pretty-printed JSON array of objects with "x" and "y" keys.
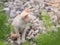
[{"x": 47, "y": 11}]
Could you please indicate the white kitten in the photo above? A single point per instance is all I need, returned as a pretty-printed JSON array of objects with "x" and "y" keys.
[{"x": 21, "y": 21}]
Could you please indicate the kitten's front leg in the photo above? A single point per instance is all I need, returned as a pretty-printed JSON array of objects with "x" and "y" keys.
[
  {"x": 19, "y": 40},
  {"x": 24, "y": 33}
]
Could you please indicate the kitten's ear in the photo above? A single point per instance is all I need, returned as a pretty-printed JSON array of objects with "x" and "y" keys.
[{"x": 26, "y": 16}]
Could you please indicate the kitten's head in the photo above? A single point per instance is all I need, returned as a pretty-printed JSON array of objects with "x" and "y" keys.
[
  {"x": 27, "y": 10},
  {"x": 26, "y": 15},
  {"x": 27, "y": 18}
]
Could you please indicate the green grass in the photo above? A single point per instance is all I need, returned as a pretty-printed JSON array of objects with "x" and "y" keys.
[
  {"x": 2, "y": 42},
  {"x": 51, "y": 38},
  {"x": 4, "y": 28}
]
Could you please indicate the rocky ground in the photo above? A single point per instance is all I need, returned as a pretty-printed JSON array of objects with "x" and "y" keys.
[{"x": 47, "y": 8}]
